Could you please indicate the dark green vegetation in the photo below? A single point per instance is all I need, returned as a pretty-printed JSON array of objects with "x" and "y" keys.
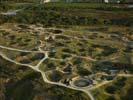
[
  {"x": 22, "y": 83},
  {"x": 120, "y": 89},
  {"x": 70, "y": 14}
]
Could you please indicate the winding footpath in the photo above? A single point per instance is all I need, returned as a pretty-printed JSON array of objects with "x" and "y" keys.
[
  {"x": 36, "y": 68},
  {"x": 19, "y": 50}
]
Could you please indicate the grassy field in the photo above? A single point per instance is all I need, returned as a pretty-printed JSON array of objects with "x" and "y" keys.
[
  {"x": 120, "y": 89},
  {"x": 70, "y": 14}
]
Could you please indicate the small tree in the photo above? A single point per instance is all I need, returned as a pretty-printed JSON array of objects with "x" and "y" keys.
[{"x": 122, "y": 1}]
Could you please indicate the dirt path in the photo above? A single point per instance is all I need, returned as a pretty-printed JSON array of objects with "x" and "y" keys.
[{"x": 36, "y": 68}]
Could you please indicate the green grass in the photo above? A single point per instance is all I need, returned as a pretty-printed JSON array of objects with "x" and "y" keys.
[
  {"x": 122, "y": 90},
  {"x": 71, "y": 14}
]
